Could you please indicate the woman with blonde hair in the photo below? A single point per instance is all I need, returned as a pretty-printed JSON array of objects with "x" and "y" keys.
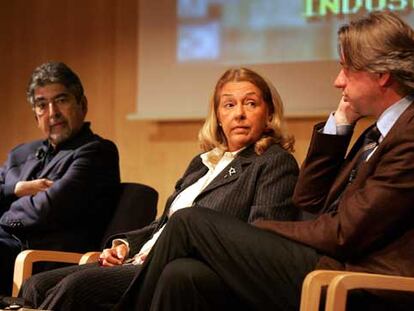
[{"x": 211, "y": 134}]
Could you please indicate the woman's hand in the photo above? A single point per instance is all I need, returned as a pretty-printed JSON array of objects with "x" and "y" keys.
[{"x": 113, "y": 256}]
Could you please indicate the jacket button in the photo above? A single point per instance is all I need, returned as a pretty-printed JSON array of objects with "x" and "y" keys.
[{"x": 16, "y": 224}]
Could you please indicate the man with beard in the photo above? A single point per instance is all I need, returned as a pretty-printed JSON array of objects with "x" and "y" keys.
[{"x": 57, "y": 193}]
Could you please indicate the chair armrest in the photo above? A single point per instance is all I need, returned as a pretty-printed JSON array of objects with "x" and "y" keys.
[
  {"x": 312, "y": 288},
  {"x": 89, "y": 257},
  {"x": 23, "y": 265},
  {"x": 340, "y": 285}
]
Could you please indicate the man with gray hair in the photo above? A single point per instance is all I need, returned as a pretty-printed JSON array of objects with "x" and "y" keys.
[{"x": 57, "y": 193}]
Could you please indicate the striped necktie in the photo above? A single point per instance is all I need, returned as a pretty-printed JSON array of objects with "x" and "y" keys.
[{"x": 370, "y": 142}]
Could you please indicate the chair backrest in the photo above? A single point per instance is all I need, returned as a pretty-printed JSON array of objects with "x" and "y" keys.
[{"x": 137, "y": 207}]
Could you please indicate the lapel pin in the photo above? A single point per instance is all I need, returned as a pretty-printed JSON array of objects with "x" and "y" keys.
[{"x": 232, "y": 171}]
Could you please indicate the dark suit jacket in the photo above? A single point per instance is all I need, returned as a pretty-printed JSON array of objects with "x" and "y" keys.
[
  {"x": 373, "y": 229},
  {"x": 260, "y": 188},
  {"x": 72, "y": 214}
]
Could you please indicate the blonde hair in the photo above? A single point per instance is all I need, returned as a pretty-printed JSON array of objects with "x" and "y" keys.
[
  {"x": 211, "y": 134},
  {"x": 380, "y": 43}
]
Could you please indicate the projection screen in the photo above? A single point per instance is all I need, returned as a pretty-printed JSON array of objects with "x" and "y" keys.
[{"x": 185, "y": 45}]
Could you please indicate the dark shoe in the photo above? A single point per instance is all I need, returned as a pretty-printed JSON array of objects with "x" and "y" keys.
[{"x": 12, "y": 303}]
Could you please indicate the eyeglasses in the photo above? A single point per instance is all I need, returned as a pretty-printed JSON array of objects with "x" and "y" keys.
[{"x": 41, "y": 105}]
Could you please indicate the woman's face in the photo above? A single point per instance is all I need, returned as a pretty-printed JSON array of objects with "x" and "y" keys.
[{"x": 242, "y": 114}]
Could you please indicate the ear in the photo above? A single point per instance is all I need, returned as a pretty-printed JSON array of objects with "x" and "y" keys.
[
  {"x": 385, "y": 79},
  {"x": 36, "y": 118},
  {"x": 84, "y": 104},
  {"x": 218, "y": 119}
]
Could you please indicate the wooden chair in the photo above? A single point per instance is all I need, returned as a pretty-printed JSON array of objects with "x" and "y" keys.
[
  {"x": 339, "y": 283},
  {"x": 136, "y": 208}
]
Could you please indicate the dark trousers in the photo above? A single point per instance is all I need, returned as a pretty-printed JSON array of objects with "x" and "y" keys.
[
  {"x": 80, "y": 287},
  {"x": 204, "y": 260},
  {"x": 9, "y": 249},
  {"x": 186, "y": 275}
]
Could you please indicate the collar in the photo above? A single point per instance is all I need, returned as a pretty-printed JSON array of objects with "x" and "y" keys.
[
  {"x": 228, "y": 155},
  {"x": 388, "y": 118}
]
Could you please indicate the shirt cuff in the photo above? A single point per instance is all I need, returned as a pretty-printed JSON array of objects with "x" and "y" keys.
[
  {"x": 117, "y": 242},
  {"x": 344, "y": 129},
  {"x": 8, "y": 190},
  {"x": 331, "y": 128}
]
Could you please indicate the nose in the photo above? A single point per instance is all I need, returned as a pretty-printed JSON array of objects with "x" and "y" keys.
[
  {"x": 53, "y": 109},
  {"x": 240, "y": 112},
  {"x": 340, "y": 81}
]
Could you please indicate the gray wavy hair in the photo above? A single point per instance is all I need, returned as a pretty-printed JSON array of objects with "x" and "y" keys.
[{"x": 54, "y": 72}]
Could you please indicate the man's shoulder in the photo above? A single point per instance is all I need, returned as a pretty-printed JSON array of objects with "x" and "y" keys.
[
  {"x": 23, "y": 152},
  {"x": 97, "y": 142},
  {"x": 32, "y": 145},
  {"x": 92, "y": 141},
  {"x": 25, "y": 149}
]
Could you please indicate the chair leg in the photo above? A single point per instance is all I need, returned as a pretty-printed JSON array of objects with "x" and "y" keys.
[{"x": 312, "y": 288}]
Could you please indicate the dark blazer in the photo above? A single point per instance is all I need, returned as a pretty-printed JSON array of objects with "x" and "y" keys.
[
  {"x": 372, "y": 229},
  {"x": 251, "y": 187},
  {"x": 72, "y": 214}
]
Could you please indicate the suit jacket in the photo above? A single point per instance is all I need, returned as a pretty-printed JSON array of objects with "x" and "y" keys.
[
  {"x": 72, "y": 214},
  {"x": 372, "y": 229},
  {"x": 251, "y": 187}
]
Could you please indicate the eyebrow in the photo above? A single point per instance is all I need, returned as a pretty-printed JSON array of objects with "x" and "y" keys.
[
  {"x": 247, "y": 94},
  {"x": 63, "y": 94}
]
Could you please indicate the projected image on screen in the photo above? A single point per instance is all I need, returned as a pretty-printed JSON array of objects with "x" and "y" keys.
[
  {"x": 265, "y": 31},
  {"x": 185, "y": 45}
]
